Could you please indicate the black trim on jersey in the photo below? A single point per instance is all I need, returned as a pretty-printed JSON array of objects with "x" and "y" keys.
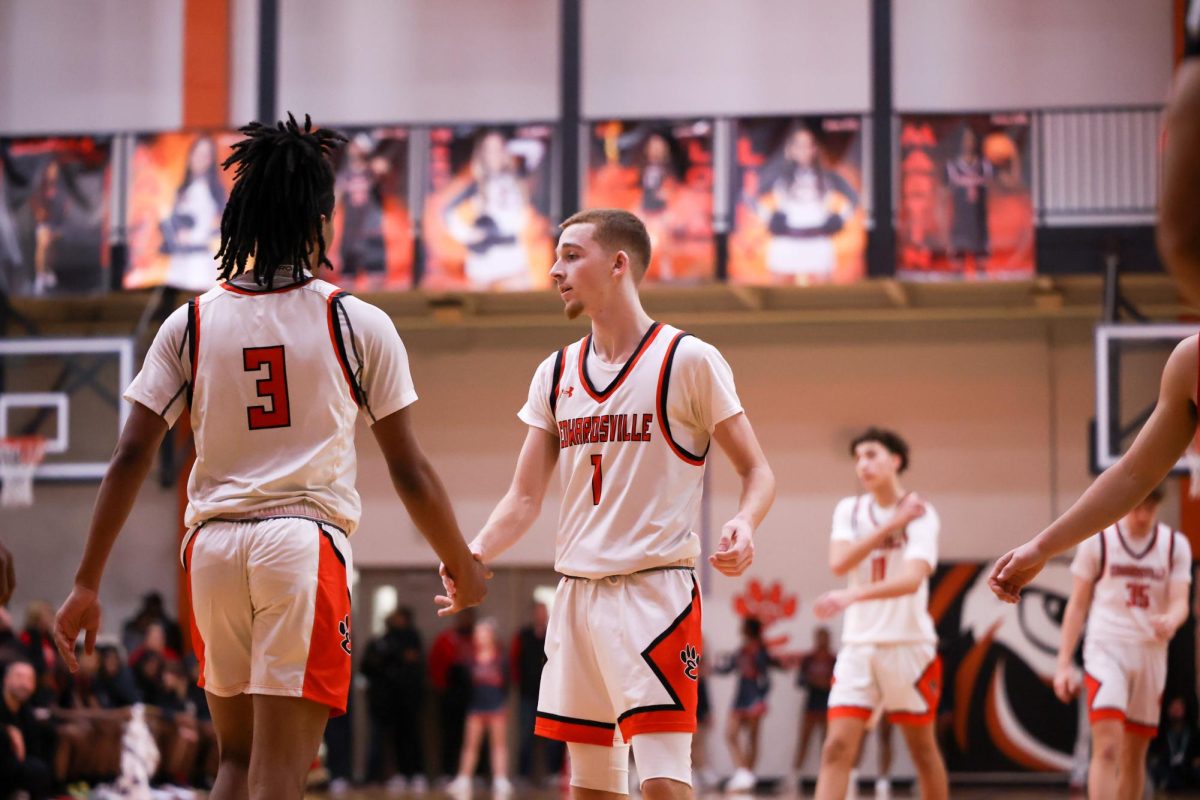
[
  {"x": 1128, "y": 549},
  {"x": 1171, "y": 554},
  {"x": 558, "y": 370},
  {"x": 662, "y": 402},
  {"x": 187, "y": 541},
  {"x": 677, "y": 704},
  {"x": 191, "y": 343},
  {"x": 1103, "y": 556},
  {"x": 336, "y": 313},
  {"x": 356, "y": 374},
  {"x": 591, "y": 723},
  {"x": 171, "y": 402},
  {"x": 252, "y": 520},
  {"x": 587, "y": 348}
]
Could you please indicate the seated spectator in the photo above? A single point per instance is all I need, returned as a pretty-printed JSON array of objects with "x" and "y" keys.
[
  {"x": 89, "y": 733},
  {"x": 207, "y": 753},
  {"x": 11, "y": 648},
  {"x": 148, "y": 676},
  {"x": 151, "y": 612},
  {"x": 38, "y": 640},
  {"x": 24, "y": 739},
  {"x": 176, "y": 728},
  {"x": 155, "y": 641},
  {"x": 115, "y": 684},
  {"x": 1175, "y": 754}
]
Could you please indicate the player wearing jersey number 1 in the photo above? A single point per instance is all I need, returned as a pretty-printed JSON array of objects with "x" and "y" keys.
[
  {"x": 886, "y": 542},
  {"x": 627, "y": 414},
  {"x": 273, "y": 366},
  {"x": 1134, "y": 578}
]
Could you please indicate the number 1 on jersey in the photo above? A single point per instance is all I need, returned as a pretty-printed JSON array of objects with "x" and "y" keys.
[{"x": 597, "y": 479}]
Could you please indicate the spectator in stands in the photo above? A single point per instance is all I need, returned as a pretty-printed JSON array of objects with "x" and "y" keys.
[
  {"x": 148, "y": 676},
  {"x": 487, "y": 713},
  {"x": 11, "y": 648},
  {"x": 450, "y": 676},
  {"x": 116, "y": 686},
  {"x": 1175, "y": 754},
  {"x": 38, "y": 641},
  {"x": 152, "y": 611},
  {"x": 207, "y": 753},
  {"x": 155, "y": 641},
  {"x": 528, "y": 657},
  {"x": 89, "y": 733},
  {"x": 175, "y": 729},
  {"x": 394, "y": 665},
  {"x": 815, "y": 674},
  {"x": 24, "y": 739}
]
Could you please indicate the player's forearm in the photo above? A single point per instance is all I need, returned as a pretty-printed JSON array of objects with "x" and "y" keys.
[
  {"x": 512, "y": 518},
  {"x": 1072, "y": 629},
  {"x": 425, "y": 498},
  {"x": 118, "y": 491},
  {"x": 882, "y": 590},
  {"x": 852, "y": 554},
  {"x": 758, "y": 493}
]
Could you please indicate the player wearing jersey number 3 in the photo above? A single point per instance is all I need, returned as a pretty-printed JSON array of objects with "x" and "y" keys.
[
  {"x": 886, "y": 542},
  {"x": 273, "y": 366},
  {"x": 627, "y": 414}
]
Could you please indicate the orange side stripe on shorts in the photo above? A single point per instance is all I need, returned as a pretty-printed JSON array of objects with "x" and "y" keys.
[
  {"x": 1138, "y": 729},
  {"x": 327, "y": 671},
  {"x": 658, "y": 722},
  {"x": 855, "y": 712},
  {"x": 1104, "y": 714},
  {"x": 197, "y": 639}
]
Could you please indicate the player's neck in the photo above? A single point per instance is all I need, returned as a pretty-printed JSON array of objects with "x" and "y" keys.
[
  {"x": 1136, "y": 534},
  {"x": 618, "y": 328},
  {"x": 887, "y": 494}
]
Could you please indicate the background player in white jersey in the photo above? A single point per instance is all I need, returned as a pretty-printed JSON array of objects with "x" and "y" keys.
[
  {"x": 274, "y": 367},
  {"x": 627, "y": 414},
  {"x": 1134, "y": 578},
  {"x": 886, "y": 541}
]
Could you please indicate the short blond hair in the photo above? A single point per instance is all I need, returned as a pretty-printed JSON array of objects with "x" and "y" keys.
[{"x": 617, "y": 230}]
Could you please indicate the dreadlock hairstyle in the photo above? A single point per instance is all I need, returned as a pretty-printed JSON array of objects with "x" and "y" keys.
[{"x": 282, "y": 187}]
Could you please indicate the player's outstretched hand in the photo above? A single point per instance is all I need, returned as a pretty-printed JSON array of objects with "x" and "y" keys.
[
  {"x": 1066, "y": 683},
  {"x": 832, "y": 603},
  {"x": 463, "y": 590},
  {"x": 1014, "y": 570},
  {"x": 8, "y": 577},
  {"x": 79, "y": 612},
  {"x": 735, "y": 551}
]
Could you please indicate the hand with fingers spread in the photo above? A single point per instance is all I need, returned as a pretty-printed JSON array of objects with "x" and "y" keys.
[
  {"x": 1014, "y": 570},
  {"x": 911, "y": 508},
  {"x": 8, "y": 578},
  {"x": 79, "y": 612},
  {"x": 735, "y": 551},
  {"x": 465, "y": 587}
]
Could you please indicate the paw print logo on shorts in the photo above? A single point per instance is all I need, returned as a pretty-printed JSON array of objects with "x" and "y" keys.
[
  {"x": 344, "y": 630},
  {"x": 691, "y": 662}
]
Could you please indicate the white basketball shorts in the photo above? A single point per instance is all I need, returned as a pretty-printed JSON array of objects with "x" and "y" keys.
[{"x": 1125, "y": 681}]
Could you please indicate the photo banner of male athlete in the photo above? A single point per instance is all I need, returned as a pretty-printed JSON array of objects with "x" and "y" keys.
[
  {"x": 54, "y": 215},
  {"x": 965, "y": 200},
  {"x": 487, "y": 208},
  {"x": 797, "y": 199},
  {"x": 372, "y": 245},
  {"x": 177, "y": 194},
  {"x": 663, "y": 172}
]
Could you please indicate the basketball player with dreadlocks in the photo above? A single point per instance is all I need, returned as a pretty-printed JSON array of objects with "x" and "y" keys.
[
  {"x": 627, "y": 414},
  {"x": 273, "y": 366},
  {"x": 1172, "y": 426}
]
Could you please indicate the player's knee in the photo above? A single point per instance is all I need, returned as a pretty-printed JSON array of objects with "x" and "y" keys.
[
  {"x": 603, "y": 769},
  {"x": 664, "y": 761},
  {"x": 838, "y": 750},
  {"x": 1107, "y": 752},
  {"x": 925, "y": 756}
]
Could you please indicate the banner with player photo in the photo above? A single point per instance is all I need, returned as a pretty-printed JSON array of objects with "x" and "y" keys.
[
  {"x": 372, "y": 246},
  {"x": 965, "y": 200},
  {"x": 54, "y": 215},
  {"x": 487, "y": 208},
  {"x": 797, "y": 200},
  {"x": 663, "y": 172},
  {"x": 177, "y": 194}
]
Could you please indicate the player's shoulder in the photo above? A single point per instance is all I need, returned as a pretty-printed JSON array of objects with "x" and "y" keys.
[
  {"x": 847, "y": 504},
  {"x": 358, "y": 311},
  {"x": 691, "y": 352}
]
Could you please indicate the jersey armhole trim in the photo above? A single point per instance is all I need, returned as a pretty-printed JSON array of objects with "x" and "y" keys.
[
  {"x": 557, "y": 378},
  {"x": 664, "y": 382},
  {"x": 334, "y": 305},
  {"x": 1171, "y": 554},
  {"x": 193, "y": 343},
  {"x": 1103, "y": 557}
]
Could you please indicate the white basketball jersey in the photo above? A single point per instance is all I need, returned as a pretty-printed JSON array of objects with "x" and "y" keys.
[
  {"x": 894, "y": 620},
  {"x": 1132, "y": 580},
  {"x": 275, "y": 380},
  {"x": 632, "y": 445}
]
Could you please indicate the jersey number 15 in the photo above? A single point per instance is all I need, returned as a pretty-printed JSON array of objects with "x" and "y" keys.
[{"x": 272, "y": 386}]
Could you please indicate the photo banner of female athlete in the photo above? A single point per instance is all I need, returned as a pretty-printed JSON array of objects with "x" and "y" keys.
[
  {"x": 54, "y": 215},
  {"x": 663, "y": 172},
  {"x": 177, "y": 195},
  {"x": 487, "y": 208},
  {"x": 966, "y": 204},
  {"x": 372, "y": 246},
  {"x": 798, "y": 217}
]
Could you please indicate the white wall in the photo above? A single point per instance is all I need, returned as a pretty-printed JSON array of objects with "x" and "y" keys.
[
  {"x": 243, "y": 62},
  {"x": 685, "y": 57},
  {"x": 90, "y": 66},
  {"x": 984, "y": 54},
  {"x": 420, "y": 60}
]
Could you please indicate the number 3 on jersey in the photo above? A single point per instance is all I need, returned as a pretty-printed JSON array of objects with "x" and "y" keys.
[
  {"x": 597, "y": 479},
  {"x": 272, "y": 386}
]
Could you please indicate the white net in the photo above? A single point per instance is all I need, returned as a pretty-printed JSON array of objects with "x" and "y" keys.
[{"x": 19, "y": 458}]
